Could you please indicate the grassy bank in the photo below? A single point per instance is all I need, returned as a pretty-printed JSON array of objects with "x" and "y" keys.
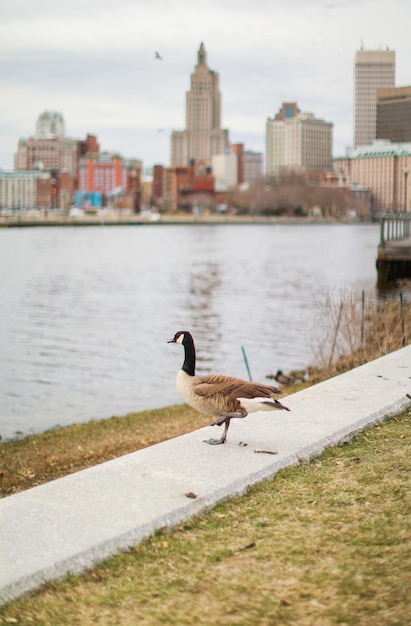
[
  {"x": 37, "y": 459},
  {"x": 350, "y": 331},
  {"x": 320, "y": 544}
]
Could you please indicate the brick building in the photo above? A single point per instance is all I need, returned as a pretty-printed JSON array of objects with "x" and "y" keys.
[
  {"x": 118, "y": 181},
  {"x": 382, "y": 167},
  {"x": 56, "y": 153}
]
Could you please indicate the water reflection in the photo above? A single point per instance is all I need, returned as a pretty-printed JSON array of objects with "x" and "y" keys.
[
  {"x": 202, "y": 303},
  {"x": 86, "y": 313}
]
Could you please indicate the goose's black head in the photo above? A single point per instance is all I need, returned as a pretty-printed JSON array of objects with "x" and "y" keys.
[
  {"x": 182, "y": 336},
  {"x": 185, "y": 338}
]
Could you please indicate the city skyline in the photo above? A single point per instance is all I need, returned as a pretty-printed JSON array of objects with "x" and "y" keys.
[{"x": 96, "y": 65}]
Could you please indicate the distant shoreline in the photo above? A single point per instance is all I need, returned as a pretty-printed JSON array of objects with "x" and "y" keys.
[{"x": 139, "y": 220}]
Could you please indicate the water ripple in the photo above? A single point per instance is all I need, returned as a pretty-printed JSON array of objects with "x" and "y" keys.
[{"x": 86, "y": 313}]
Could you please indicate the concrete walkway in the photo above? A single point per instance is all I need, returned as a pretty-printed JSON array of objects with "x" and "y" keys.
[{"x": 72, "y": 523}]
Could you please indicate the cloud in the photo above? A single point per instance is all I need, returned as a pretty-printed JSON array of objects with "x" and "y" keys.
[{"x": 94, "y": 62}]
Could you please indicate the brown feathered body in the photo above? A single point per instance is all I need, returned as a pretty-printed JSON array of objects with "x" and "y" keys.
[{"x": 216, "y": 394}]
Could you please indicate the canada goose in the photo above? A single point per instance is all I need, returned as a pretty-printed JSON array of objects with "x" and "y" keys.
[{"x": 223, "y": 397}]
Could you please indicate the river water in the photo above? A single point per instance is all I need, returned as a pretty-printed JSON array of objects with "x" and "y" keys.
[{"x": 86, "y": 313}]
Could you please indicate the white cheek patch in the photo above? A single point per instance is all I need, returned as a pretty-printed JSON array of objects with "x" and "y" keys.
[{"x": 180, "y": 338}]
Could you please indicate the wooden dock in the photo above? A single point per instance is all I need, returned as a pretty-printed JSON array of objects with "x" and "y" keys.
[{"x": 394, "y": 250}]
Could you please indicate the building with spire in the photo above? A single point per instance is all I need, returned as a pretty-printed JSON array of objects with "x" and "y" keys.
[{"x": 203, "y": 136}]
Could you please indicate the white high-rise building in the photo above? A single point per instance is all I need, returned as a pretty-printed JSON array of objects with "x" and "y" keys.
[
  {"x": 203, "y": 136},
  {"x": 373, "y": 69},
  {"x": 297, "y": 141},
  {"x": 225, "y": 169},
  {"x": 50, "y": 124}
]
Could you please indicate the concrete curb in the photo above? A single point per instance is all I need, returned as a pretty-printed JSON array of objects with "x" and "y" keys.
[{"x": 72, "y": 523}]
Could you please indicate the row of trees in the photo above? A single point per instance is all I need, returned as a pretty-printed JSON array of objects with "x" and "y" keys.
[
  {"x": 290, "y": 195},
  {"x": 301, "y": 194}
]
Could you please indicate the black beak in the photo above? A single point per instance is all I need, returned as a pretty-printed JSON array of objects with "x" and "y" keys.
[{"x": 171, "y": 341}]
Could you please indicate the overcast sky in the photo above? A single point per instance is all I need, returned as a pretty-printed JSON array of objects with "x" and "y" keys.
[{"x": 93, "y": 61}]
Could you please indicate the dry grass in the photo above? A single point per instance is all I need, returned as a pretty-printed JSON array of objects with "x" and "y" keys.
[
  {"x": 321, "y": 544},
  {"x": 39, "y": 458},
  {"x": 354, "y": 329}
]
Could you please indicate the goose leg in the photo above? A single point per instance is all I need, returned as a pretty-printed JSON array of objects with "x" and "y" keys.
[
  {"x": 224, "y": 419},
  {"x": 220, "y": 420},
  {"x": 215, "y": 442}
]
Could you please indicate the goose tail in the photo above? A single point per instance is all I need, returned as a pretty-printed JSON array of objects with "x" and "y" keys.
[{"x": 251, "y": 405}]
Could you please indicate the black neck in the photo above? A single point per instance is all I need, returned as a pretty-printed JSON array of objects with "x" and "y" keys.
[{"x": 189, "y": 365}]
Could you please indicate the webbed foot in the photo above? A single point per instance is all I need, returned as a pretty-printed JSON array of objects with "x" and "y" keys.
[{"x": 215, "y": 442}]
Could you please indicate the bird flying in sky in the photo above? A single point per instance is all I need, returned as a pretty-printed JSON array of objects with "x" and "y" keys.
[{"x": 158, "y": 56}]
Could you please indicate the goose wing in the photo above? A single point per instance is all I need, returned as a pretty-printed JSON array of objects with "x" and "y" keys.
[{"x": 231, "y": 388}]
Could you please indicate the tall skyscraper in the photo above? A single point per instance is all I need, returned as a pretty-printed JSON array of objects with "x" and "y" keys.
[
  {"x": 373, "y": 69},
  {"x": 203, "y": 136},
  {"x": 297, "y": 141}
]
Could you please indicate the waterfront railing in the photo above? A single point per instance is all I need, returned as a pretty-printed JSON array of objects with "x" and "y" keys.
[{"x": 395, "y": 226}]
